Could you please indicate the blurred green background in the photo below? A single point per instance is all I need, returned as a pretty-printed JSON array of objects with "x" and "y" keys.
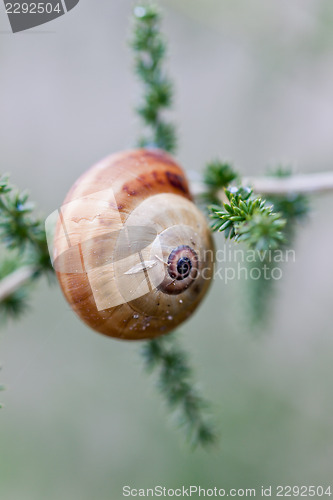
[{"x": 254, "y": 85}]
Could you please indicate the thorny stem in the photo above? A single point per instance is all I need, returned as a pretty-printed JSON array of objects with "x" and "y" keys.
[{"x": 164, "y": 355}]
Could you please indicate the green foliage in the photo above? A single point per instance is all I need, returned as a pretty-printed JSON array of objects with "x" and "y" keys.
[
  {"x": 19, "y": 228},
  {"x": 217, "y": 175},
  {"x": 293, "y": 207},
  {"x": 16, "y": 303},
  {"x": 248, "y": 219},
  {"x": 262, "y": 226},
  {"x": 150, "y": 49},
  {"x": 259, "y": 296},
  {"x": 23, "y": 242},
  {"x": 164, "y": 354},
  {"x": 176, "y": 385}
]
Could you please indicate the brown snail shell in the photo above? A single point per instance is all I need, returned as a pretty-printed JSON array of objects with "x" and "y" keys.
[{"x": 132, "y": 253}]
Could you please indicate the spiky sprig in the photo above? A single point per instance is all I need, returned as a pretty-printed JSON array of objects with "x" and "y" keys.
[
  {"x": 150, "y": 49},
  {"x": 294, "y": 207},
  {"x": 23, "y": 243},
  {"x": 217, "y": 175},
  {"x": 248, "y": 219},
  {"x": 176, "y": 384},
  {"x": 164, "y": 354},
  {"x": 15, "y": 303},
  {"x": 20, "y": 228}
]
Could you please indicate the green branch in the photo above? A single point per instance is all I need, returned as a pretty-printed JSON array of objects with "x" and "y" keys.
[
  {"x": 248, "y": 219},
  {"x": 150, "y": 48},
  {"x": 261, "y": 225},
  {"x": 176, "y": 385},
  {"x": 164, "y": 354},
  {"x": 24, "y": 250}
]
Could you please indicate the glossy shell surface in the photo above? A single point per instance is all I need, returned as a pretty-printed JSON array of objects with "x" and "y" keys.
[{"x": 133, "y": 254}]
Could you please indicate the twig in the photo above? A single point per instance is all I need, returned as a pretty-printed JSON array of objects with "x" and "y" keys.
[
  {"x": 300, "y": 184},
  {"x": 15, "y": 281},
  {"x": 165, "y": 355},
  {"x": 176, "y": 384}
]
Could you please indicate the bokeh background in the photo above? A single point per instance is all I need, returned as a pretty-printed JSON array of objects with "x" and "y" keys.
[{"x": 254, "y": 85}]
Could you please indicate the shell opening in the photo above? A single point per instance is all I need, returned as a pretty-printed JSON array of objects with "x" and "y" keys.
[
  {"x": 183, "y": 269},
  {"x": 184, "y": 266}
]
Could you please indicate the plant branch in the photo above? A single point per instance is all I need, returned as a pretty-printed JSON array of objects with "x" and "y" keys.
[
  {"x": 24, "y": 252},
  {"x": 14, "y": 281},
  {"x": 164, "y": 354},
  {"x": 149, "y": 48},
  {"x": 176, "y": 384},
  {"x": 301, "y": 184},
  {"x": 246, "y": 219}
]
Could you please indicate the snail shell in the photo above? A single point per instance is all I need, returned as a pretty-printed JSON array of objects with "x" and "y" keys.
[{"x": 132, "y": 253}]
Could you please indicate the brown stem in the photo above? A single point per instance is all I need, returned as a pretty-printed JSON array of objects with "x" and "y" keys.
[{"x": 302, "y": 184}]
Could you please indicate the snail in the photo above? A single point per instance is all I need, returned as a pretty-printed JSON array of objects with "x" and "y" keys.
[{"x": 132, "y": 253}]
